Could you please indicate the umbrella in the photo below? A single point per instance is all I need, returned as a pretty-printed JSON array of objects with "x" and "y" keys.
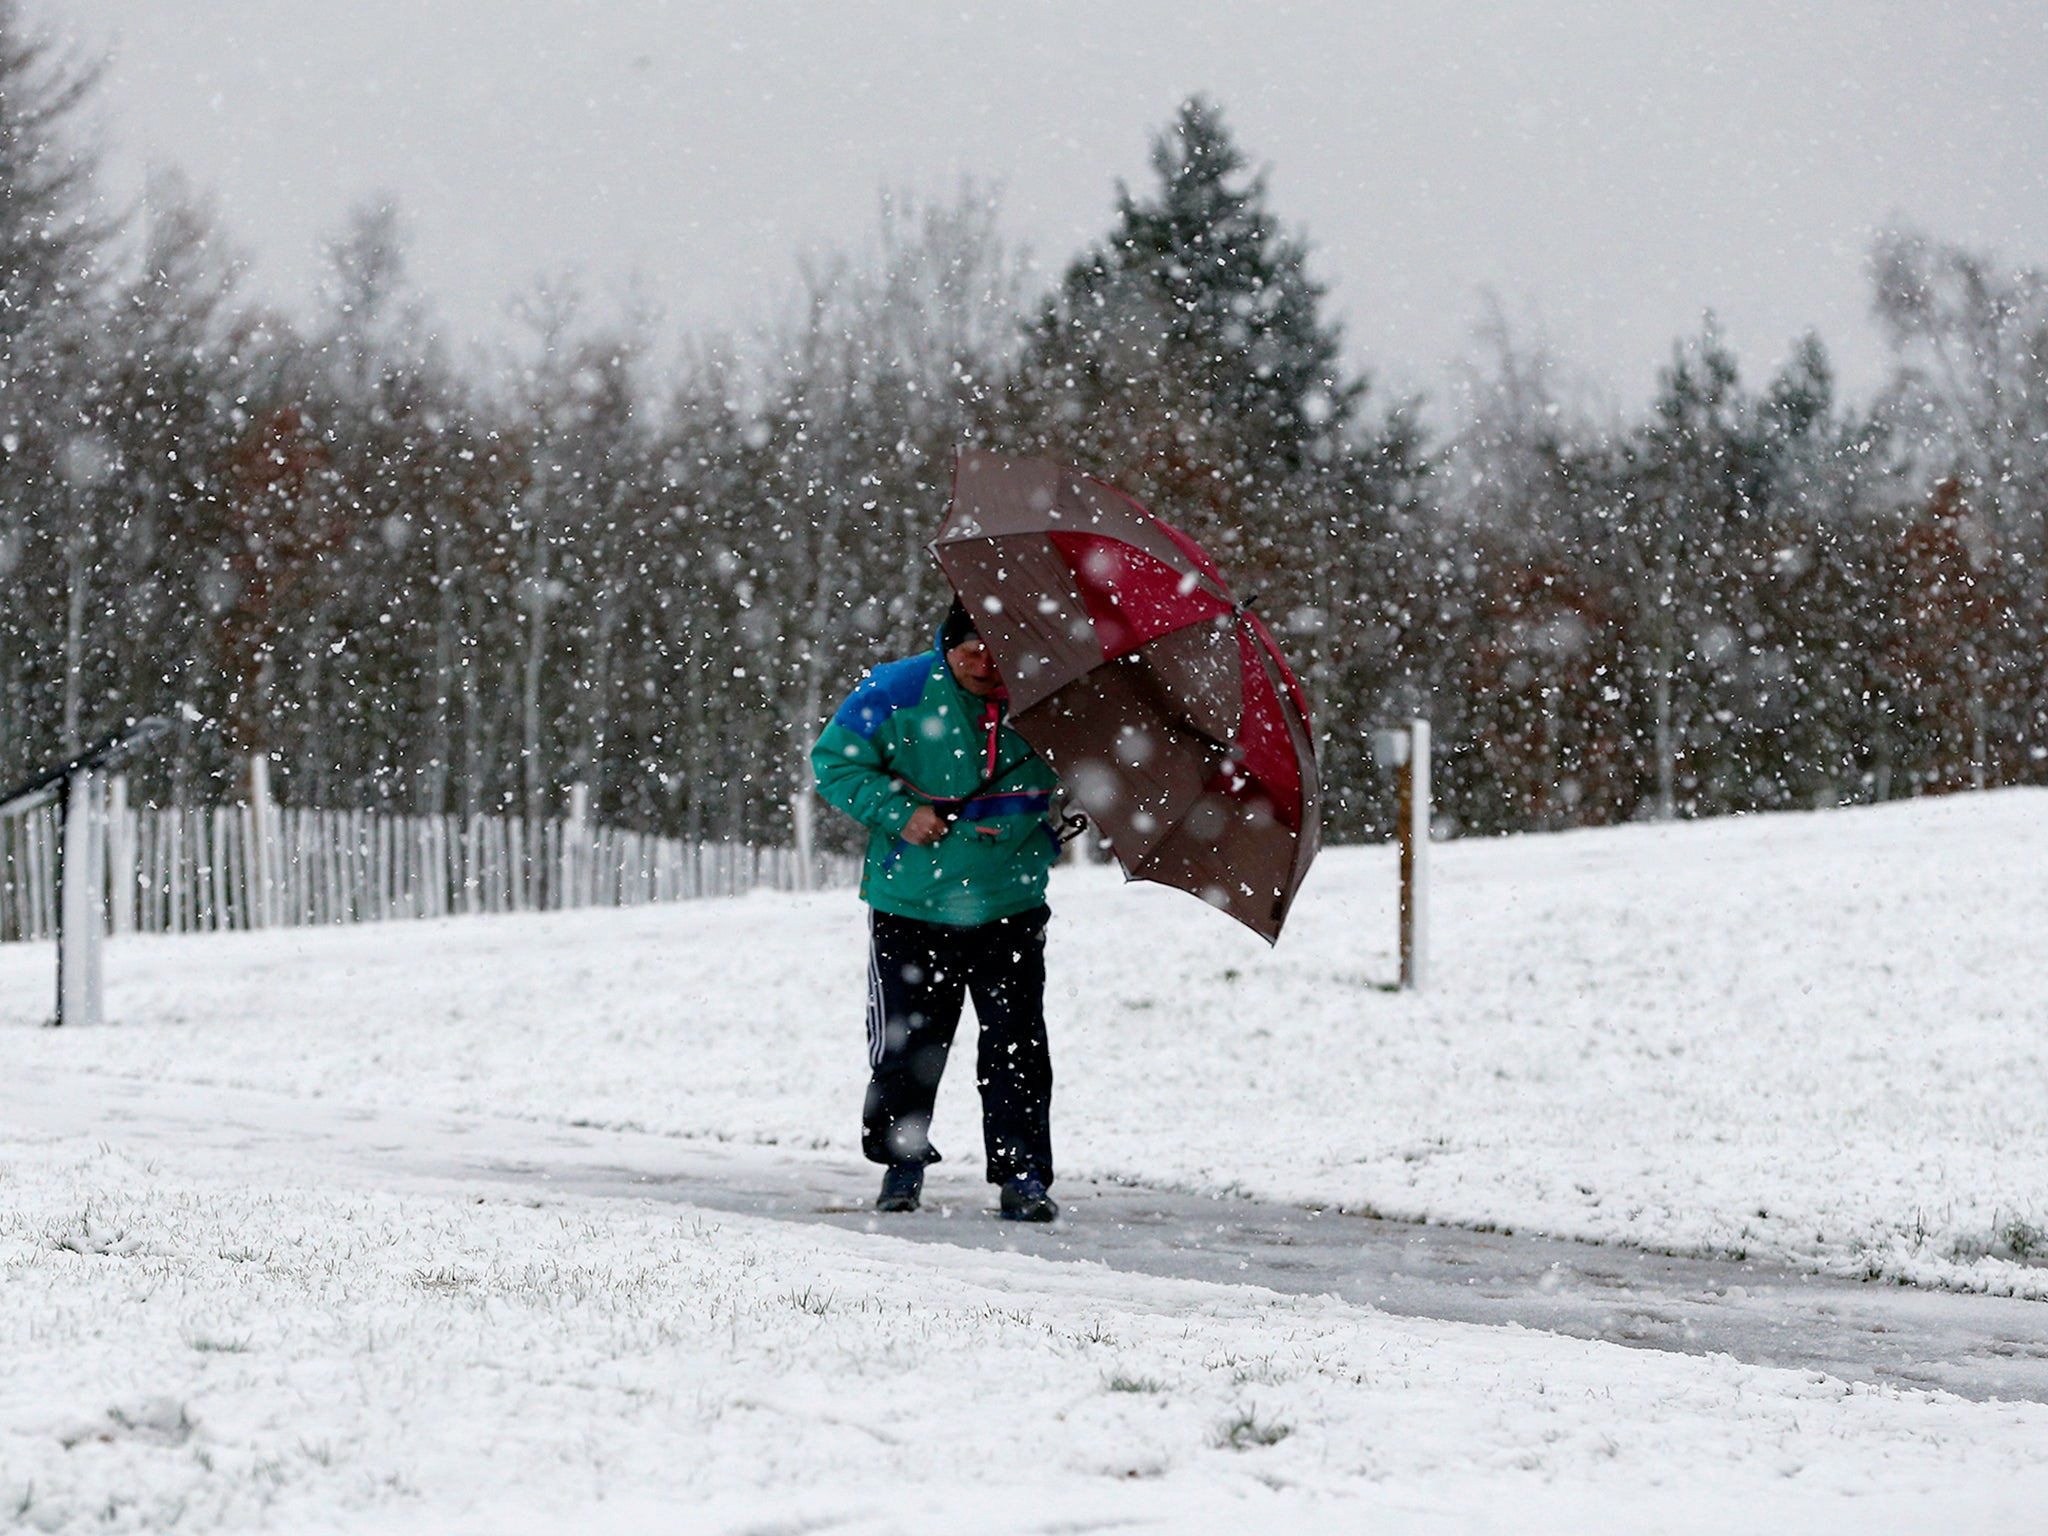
[{"x": 1160, "y": 700}]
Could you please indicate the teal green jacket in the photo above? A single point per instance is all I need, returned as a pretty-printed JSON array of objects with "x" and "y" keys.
[{"x": 908, "y": 736}]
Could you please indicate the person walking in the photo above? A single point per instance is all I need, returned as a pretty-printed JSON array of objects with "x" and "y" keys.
[{"x": 960, "y": 842}]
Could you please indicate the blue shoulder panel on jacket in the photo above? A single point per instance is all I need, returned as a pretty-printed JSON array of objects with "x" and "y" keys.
[{"x": 892, "y": 686}]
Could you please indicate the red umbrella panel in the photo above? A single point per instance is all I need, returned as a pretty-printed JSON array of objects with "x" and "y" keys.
[{"x": 1161, "y": 701}]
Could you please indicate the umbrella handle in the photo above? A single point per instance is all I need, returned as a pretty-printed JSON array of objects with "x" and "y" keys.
[{"x": 1069, "y": 827}]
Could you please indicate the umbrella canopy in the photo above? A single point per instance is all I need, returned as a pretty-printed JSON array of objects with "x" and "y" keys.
[{"x": 1160, "y": 700}]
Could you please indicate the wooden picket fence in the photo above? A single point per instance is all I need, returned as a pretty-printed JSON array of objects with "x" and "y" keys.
[{"x": 196, "y": 870}]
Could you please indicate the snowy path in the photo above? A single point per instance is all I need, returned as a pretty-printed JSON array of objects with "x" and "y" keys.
[{"x": 1974, "y": 1346}]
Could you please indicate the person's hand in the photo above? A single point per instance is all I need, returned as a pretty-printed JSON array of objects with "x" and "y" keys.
[{"x": 925, "y": 827}]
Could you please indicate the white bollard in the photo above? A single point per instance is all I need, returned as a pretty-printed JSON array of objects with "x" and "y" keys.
[
  {"x": 1415, "y": 817},
  {"x": 262, "y": 895},
  {"x": 578, "y": 862},
  {"x": 82, "y": 915}
]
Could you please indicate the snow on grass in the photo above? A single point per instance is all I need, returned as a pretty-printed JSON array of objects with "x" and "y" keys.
[
  {"x": 1821, "y": 1038},
  {"x": 1814, "y": 1037},
  {"x": 229, "y": 1346}
]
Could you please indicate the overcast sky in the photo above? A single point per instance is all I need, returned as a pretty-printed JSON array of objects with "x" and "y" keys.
[{"x": 1609, "y": 168}]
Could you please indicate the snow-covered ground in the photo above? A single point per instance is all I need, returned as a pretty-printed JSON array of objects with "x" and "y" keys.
[{"x": 1819, "y": 1038}]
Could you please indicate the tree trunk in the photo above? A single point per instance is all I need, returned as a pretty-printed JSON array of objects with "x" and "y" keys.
[
  {"x": 529, "y": 697},
  {"x": 472, "y": 742},
  {"x": 447, "y": 637},
  {"x": 1666, "y": 740},
  {"x": 77, "y": 568}
]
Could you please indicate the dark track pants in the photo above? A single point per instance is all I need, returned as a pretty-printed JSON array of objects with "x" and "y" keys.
[{"x": 918, "y": 976}]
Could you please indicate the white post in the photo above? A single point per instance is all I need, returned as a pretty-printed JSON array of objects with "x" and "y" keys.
[
  {"x": 1414, "y": 829},
  {"x": 578, "y": 860},
  {"x": 82, "y": 902},
  {"x": 121, "y": 861},
  {"x": 262, "y": 839}
]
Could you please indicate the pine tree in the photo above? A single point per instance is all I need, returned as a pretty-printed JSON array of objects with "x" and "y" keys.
[
  {"x": 386, "y": 642},
  {"x": 171, "y": 380},
  {"x": 1695, "y": 483},
  {"x": 1185, "y": 357},
  {"x": 55, "y": 466}
]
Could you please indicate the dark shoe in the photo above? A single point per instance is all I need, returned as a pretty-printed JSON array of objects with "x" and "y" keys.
[
  {"x": 902, "y": 1183},
  {"x": 1025, "y": 1199}
]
